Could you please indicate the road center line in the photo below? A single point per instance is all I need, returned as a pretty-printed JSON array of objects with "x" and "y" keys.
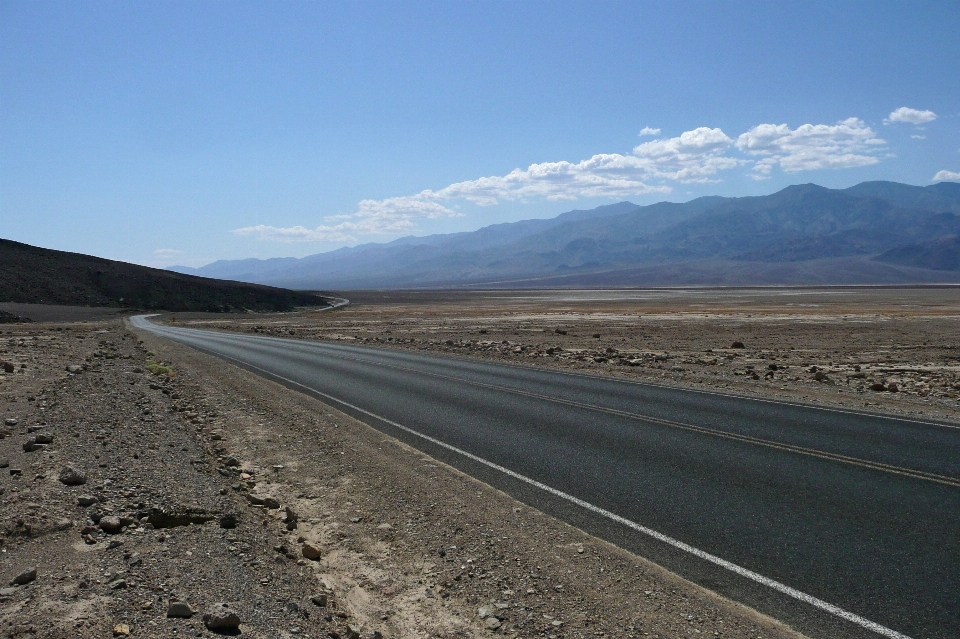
[
  {"x": 800, "y": 450},
  {"x": 723, "y": 563}
]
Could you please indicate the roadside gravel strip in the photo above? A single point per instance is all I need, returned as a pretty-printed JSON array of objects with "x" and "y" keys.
[
  {"x": 207, "y": 485},
  {"x": 482, "y": 412}
]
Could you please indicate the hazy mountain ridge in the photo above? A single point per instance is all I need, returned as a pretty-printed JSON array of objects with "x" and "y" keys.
[{"x": 626, "y": 244}]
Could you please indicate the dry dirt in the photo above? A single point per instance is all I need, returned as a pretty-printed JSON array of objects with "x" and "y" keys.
[
  {"x": 208, "y": 485},
  {"x": 891, "y": 350}
]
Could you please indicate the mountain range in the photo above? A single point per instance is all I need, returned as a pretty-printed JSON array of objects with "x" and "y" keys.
[{"x": 874, "y": 232}]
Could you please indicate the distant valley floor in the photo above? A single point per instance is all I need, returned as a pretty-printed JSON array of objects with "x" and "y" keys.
[{"x": 879, "y": 349}]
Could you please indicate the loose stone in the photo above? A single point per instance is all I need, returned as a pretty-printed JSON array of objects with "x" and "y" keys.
[
  {"x": 72, "y": 476},
  {"x": 221, "y": 617},
  {"x": 25, "y": 577},
  {"x": 180, "y": 609}
]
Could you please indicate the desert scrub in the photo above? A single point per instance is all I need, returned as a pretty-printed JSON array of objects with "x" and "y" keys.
[{"x": 159, "y": 369}]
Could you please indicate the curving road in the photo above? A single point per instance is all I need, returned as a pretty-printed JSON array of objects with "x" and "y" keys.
[{"x": 839, "y": 523}]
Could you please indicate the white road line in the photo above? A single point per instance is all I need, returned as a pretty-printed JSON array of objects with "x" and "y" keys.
[
  {"x": 676, "y": 543},
  {"x": 649, "y": 384}
]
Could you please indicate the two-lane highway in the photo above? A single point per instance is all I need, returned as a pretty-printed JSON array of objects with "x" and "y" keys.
[{"x": 837, "y": 522}]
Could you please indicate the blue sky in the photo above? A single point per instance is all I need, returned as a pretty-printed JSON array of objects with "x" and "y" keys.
[{"x": 180, "y": 133}]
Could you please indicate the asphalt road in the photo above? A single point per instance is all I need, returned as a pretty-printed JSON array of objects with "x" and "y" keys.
[{"x": 839, "y": 523}]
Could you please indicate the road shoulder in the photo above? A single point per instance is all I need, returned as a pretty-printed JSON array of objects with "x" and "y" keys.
[{"x": 412, "y": 547}]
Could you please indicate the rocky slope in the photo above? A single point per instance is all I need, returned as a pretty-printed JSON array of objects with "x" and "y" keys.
[{"x": 33, "y": 275}]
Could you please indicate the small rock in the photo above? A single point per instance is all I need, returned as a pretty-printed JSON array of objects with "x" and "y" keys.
[
  {"x": 878, "y": 387},
  {"x": 737, "y": 345},
  {"x": 384, "y": 527},
  {"x": 9, "y": 592},
  {"x": 180, "y": 609},
  {"x": 892, "y": 388},
  {"x": 73, "y": 368},
  {"x": 231, "y": 462},
  {"x": 64, "y": 524},
  {"x": 485, "y": 611},
  {"x": 260, "y": 500},
  {"x": 319, "y": 600},
  {"x": 86, "y": 500},
  {"x": 310, "y": 552},
  {"x": 25, "y": 577},
  {"x": 121, "y": 629},
  {"x": 492, "y": 623},
  {"x": 228, "y": 521},
  {"x": 114, "y": 543},
  {"x": 10, "y": 421},
  {"x": 4, "y": 463},
  {"x": 32, "y": 445},
  {"x": 353, "y": 632},
  {"x": 110, "y": 524},
  {"x": 72, "y": 476},
  {"x": 376, "y": 634},
  {"x": 16, "y": 471},
  {"x": 221, "y": 617},
  {"x": 119, "y": 584}
]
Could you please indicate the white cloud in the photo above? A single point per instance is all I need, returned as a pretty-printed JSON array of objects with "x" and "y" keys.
[
  {"x": 919, "y": 137},
  {"x": 165, "y": 253},
  {"x": 649, "y": 131},
  {"x": 947, "y": 176},
  {"x": 695, "y": 156},
  {"x": 849, "y": 143},
  {"x": 373, "y": 217},
  {"x": 910, "y": 116}
]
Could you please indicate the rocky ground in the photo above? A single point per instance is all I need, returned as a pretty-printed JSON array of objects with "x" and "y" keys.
[
  {"x": 145, "y": 486},
  {"x": 874, "y": 349}
]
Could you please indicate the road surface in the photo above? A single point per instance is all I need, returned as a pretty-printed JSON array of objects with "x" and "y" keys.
[{"x": 839, "y": 523}]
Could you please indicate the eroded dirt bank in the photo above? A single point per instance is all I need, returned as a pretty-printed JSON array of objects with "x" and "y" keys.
[{"x": 206, "y": 485}]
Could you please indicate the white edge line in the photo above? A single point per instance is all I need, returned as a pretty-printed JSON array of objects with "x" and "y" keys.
[
  {"x": 676, "y": 543},
  {"x": 652, "y": 384}
]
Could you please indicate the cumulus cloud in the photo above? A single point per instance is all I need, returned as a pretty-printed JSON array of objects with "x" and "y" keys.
[
  {"x": 849, "y": 143},
  {"x": 947, "y": 176},
  {"x": 910, "y": 116},
  {"x": 694, "y": 156},
  {"x": 697, "y": 156}
]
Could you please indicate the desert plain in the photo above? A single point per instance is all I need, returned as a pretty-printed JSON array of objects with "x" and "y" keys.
[{"x": 204, "y": 485}]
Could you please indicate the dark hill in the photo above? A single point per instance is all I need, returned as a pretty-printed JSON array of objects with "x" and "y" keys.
[{"x": 33, "y": 275}]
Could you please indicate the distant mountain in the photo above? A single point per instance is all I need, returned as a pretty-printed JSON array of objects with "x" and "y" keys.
[
  {"x": 33, "y": 275},
  {"x": 940, "y": 254},
  {"x": 829, "y": 235}
]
